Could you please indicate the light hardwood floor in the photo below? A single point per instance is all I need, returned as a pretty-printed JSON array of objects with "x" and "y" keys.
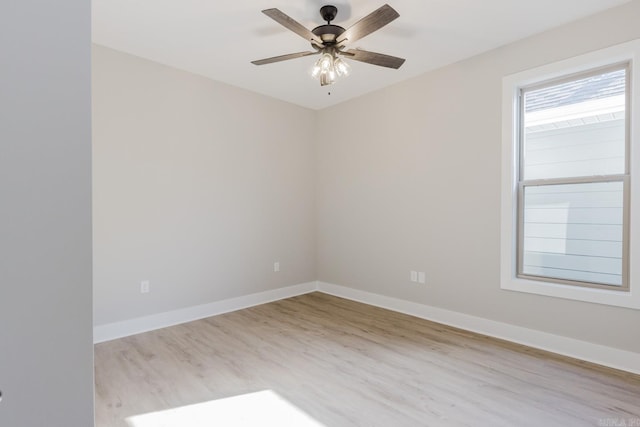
[{"x": 349, "y": 364}]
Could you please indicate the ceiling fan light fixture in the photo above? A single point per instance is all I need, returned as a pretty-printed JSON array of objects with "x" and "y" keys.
[{"x": 329, "y": 67}]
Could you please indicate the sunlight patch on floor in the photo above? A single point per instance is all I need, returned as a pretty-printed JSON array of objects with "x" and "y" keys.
[{"x": 264, "y": 408}]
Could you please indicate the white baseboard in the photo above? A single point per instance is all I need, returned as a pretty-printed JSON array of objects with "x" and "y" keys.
[
  {"x": 138, "y": 325},
  {"x": 595, "y": 353}
]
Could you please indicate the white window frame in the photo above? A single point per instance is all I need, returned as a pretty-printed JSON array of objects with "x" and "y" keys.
[{"x": 509, "y": 280}]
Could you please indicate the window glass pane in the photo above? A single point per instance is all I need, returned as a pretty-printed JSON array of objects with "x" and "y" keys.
[
  {"x": 576, "y": 128},
  {"x": 574, "y": 232}
]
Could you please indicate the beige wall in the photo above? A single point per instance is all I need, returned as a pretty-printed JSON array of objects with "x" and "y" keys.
[
  {"x": 413, "y": 183},
  {"x": 198, "y": 187},
  {"x": 46, "y": 347}
]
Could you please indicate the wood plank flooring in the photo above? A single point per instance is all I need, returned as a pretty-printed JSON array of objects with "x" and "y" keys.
[{"x": 349, "y": 364}]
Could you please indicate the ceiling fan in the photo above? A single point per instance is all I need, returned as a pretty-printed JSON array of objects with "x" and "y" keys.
[{"x": 330, "y": 41}]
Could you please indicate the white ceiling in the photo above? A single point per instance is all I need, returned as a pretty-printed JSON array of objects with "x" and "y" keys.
[{"x": 218, "y": 39}]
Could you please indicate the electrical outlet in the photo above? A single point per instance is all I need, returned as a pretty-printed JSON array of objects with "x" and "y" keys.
[
  {"x": 422, "y": 277},
  {"x": 145, "y": 287},
  {"x": 413, "y": 276},
  {"x": 276, "y": 266}
]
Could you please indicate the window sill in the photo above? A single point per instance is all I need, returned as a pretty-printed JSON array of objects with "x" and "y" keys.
[{"x": 618, "y": 298}]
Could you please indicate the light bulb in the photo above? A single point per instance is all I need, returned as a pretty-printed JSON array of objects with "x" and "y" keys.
[
  {"x": 326, "y": 61},
  {"x": 315, "y": 71},
  {"x": 342, "y": 68}
]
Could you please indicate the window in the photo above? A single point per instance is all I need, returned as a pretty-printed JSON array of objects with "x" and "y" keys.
[
  {"x": 567, "y": 211},
  {"x": 573, "y": 179}
]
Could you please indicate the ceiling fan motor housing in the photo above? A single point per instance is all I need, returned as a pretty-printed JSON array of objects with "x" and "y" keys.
[{"x": 328, "y": 33}]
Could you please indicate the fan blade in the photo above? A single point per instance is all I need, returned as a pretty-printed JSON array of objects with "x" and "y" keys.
[
  {"x": 283, "y": 58},
  {"x": 374, "y": 58},
  {"x": 293, "y": 25},
  {"x": 370, "y": 23}
]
